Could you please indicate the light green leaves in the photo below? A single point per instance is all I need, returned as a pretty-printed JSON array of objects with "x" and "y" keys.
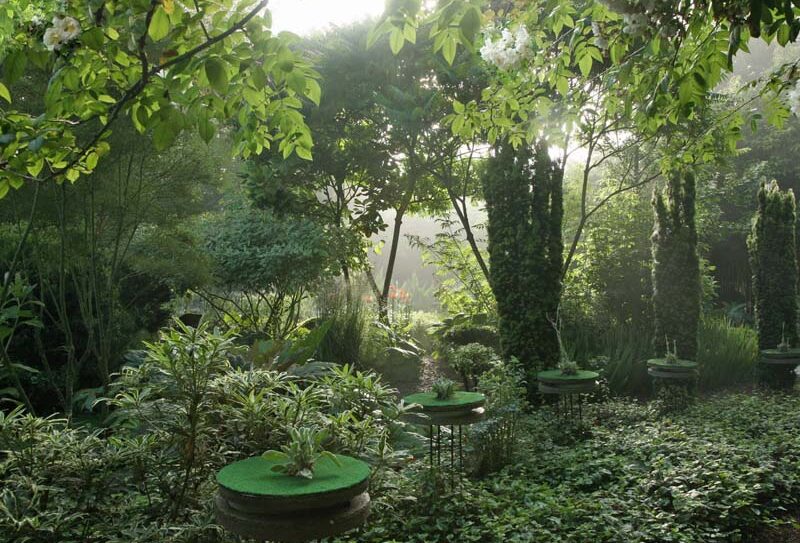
[
  {"x": 4, "y": 93},
  {"x": 159, "y": 24}
]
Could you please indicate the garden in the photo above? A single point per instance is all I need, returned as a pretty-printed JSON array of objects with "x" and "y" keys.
[{"x": 454, "y": 271}]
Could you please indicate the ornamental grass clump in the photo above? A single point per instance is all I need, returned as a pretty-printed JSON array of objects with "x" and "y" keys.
[{"x": 303, "y": 451}]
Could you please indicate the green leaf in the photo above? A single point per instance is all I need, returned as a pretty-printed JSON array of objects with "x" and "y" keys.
[
  {"x": 471, "y": 23},
  {"x": 4, "y": 93},
  {"x": 205, "y": 127},
  {"x": 313, "y": 91},
  {"x": 303, "y": 153},
  {"x": 396, "y": 40},
  {"x": 217, "y": 75},
  {"x": 91, "y": 160},
  {"x": 159, "y": 25},
  {"x": 14, "y": 66},
  {"x": 585, "y": 65},
  {"x": 163, "y": 136},
  {"x": 93, "y": 38},
  {"x": 449, "y": 47},
  {"x": 275, "y": 456},
  {"x": 3, "y": 188}
]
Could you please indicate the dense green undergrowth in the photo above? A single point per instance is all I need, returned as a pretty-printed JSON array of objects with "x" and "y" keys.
[{"x": 727, "y": 466}]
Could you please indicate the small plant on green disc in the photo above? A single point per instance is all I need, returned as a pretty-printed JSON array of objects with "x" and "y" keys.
[
  {"x": 565, "y": 363},
  {"x": 444, "y": 388},
  {"x": 301, "y": 454},
  {"x": 568, "y": 367},
  {"x": 672, "y": 354},
  {"x": 783, "y": 346}
]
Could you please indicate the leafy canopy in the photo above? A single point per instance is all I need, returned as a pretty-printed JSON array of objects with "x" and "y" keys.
[{"x": 169, "y": 65}]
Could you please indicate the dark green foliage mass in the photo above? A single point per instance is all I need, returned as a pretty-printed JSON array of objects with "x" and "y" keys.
[
  {"x": 676, "y": 267},
  {"x": 524, "y": 203},
  {"x": 773, "y": 261}
]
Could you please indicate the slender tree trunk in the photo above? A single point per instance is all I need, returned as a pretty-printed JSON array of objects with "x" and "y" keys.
[{"x": 473, "y": 244}]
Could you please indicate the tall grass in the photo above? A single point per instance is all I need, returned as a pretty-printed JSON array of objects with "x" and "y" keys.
[
  {"x": 727, "y": 353},
  {"x": 347, "y": 339}
]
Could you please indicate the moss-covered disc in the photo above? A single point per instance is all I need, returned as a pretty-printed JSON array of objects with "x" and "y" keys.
[
  {"x": 557, "y": 377},
  {"x": 776, "y": 356},
  {"x": 677, "y": 366},
  {"x": 254, "y": 476},
  {"x": 459, "y": 401}
]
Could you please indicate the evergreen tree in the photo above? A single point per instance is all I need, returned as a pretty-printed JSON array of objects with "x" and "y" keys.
[
  {"x": 523, "y": 193},
  {"x": 676, "y": 267},
  {"x": 773, "y": 261}
]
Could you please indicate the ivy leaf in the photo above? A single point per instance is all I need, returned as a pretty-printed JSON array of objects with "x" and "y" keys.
[{"x": 159, "y": 25}]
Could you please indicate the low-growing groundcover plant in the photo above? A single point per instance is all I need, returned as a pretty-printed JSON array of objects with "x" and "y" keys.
[{"x": 714, "y": 473}]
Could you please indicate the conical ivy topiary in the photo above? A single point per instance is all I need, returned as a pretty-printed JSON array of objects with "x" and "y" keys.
[
  {"x": 773, "y": 261},
  {"x": 524, "y": 202},
  {"x": 676, "y": 267}
]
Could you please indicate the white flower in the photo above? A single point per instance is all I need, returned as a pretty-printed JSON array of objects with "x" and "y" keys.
[
  {"x": 68, "y": 26},
  {"x": 508, "y": 50},
  {"x": 52, "y": 39},
  {"x": 794, "y": 99},
  {"x": 521, "y": 40}
]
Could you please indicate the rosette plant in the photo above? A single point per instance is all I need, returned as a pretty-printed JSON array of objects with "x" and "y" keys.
[{"x": 304, "y": 450}]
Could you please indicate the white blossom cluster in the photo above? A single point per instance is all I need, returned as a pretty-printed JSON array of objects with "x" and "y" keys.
[
  {"x": 64, "y": 30},
  {"x": 507, "y": 50},
  {"x": 641, "y": 16},
  {"x": 794, "y": 99}
]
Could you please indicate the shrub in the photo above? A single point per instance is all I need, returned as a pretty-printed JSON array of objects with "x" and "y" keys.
[
  {"x": 773, "y": 259},
  {"x": 470, "y": 361},
  {"x": 497, "y": 435},
  {"x": 177, "y": 418},
  {"x": 676, "y": 267},
  {"x": 465, "y": 334}
]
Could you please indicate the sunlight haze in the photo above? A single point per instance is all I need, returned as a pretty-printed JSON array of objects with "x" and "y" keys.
[{"x": 306, "y": 16}]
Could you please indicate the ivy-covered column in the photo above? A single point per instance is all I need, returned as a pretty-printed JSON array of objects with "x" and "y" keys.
[
  {"x": 676, "y": 268},
  {"x": 524, "y": 202},
  {"x": 773, "y": 262}
]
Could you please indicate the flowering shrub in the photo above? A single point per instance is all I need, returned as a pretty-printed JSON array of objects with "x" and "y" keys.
[{"x": 508, "y": 50}]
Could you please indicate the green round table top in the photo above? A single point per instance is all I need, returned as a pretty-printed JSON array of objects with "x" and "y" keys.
[
  {"x": 459, "y": 400},
  {"x": 777, "y": 353},
  {"x": 679, "y": 364},
  {"x": 255, "y": 476},
  {"x": 557, "y": 375}
]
